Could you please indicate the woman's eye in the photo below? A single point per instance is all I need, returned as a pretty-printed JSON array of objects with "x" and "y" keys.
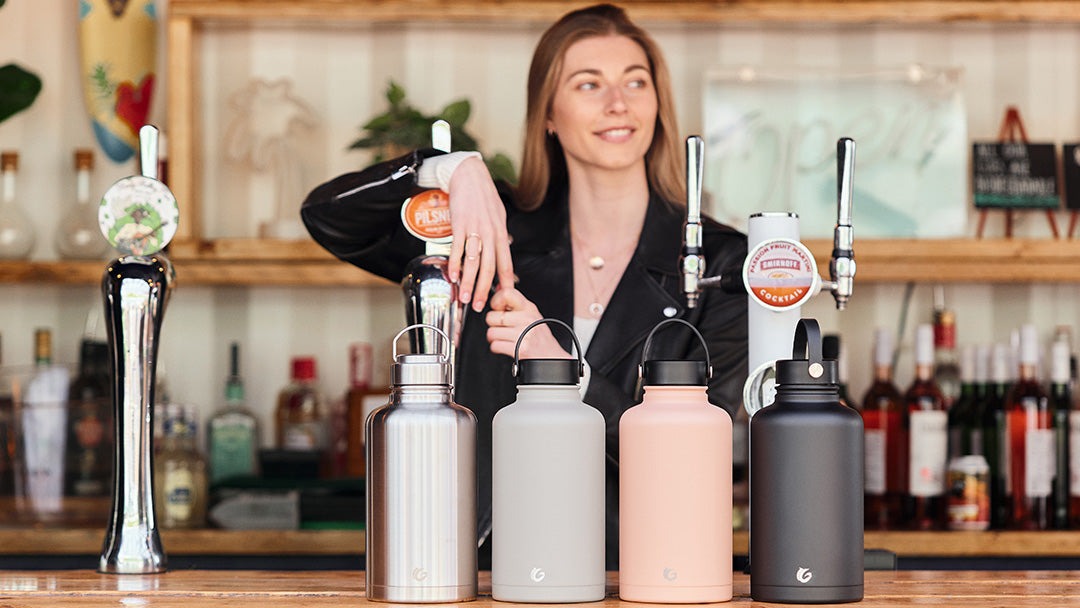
[
  {"x": 640, "y": 83},
  {"x": 588, "y": 86}
]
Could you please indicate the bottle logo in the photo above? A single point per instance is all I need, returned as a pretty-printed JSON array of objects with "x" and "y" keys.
[
  {"x": 419, "y": 574},
  {"x": 427, "y": 216},
  {"x": 537, "y": 575},
  {"x": 670, "y": 574},
  {"x": 803, "y": 575},
  {"x": 780, "y": 273}
]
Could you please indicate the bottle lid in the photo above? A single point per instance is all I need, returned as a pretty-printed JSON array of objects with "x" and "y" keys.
[
  {"x": 883, "y": 347},
  {"x": 303, "y": 368},
  {"x": 1001, "y": 370},
  {"x": 9, "y": 160},
  {"x": 661, "y": 372},
  {"x": 421, "y": 369},
  {"x": 968, "y": 363},
  {"x": 814, "y": 370},
  {"x": 84, "y": 158},
  {"x": 675, "y": 373},
  {"x": 548, "y": 371},
  {"x": 924, "y": 344},
  {"x": 1029, "y": 345},
  {"x": 1059, "y": 362}
]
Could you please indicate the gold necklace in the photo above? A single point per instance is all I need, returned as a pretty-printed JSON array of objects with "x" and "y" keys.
[{"x": 596, "y": 263}]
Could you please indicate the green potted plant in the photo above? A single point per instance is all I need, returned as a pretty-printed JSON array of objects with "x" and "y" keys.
[
  {"x": 18, "y": 88},
  {"x": 402, "y": 128}
]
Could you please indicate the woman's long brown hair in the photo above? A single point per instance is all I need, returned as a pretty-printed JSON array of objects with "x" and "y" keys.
[{"x": 543, "y": 163}]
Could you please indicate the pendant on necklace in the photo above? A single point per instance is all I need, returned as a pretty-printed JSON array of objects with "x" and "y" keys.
[
  {"x": 596, "y": 262},
  {"x": 596, "y": 308}
]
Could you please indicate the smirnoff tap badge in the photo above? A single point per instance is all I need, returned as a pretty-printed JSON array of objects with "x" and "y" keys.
[{"x": 780, "y": 273}]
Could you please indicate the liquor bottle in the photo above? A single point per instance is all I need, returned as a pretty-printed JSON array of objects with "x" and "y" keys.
[
  {"x": 180, "y": 472},
  {"x": 16, "y": 229},
  {"x": 946, "y": 361},
  {"x": 995, "y": 437},
  {"x": 965, "y": 415},
  {"x": 300, "y": 410},
  {"x": 7, "y": 433},
  {"x": 360, "y": 400},
  {"x": 78, "y": 236},
  {"x": 233, "y": 431},
  {"x": 44, "y": 429},
  {"x": 89, "y": 435},
  {"x": 830, "y": 349},
  {"x": 927, "y": 423},
  {"x": 1060, "y": 406},
  {"x": 885, "y": 442},
  {"x": 1030, "y": 444}
]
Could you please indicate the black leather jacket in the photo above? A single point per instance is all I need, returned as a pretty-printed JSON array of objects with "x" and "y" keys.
[{"x": 357, "y": 218}]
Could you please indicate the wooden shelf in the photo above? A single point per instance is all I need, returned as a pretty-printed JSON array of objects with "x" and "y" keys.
[
  {"x": 833, "y": 11},
  {"x": 303, "y": 263},
  {"x": 83, "y": 541}
]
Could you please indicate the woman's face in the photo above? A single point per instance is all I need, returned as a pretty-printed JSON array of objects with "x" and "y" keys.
[{"x": 604, "y": 109}]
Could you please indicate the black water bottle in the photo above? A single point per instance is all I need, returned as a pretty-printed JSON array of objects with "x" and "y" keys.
[{"x": 806, "y": 484}]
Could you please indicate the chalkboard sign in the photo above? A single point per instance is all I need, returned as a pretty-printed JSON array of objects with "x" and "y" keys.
[
  {"x": 1071, "y": 163},
  {"x": 1015, "y": 176}
]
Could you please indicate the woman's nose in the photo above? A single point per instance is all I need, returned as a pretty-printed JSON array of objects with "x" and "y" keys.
[{"x": 616, "y": 100}]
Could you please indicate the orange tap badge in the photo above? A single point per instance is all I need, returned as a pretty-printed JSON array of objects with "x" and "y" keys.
[
  {"x": 427, "y": 216},
  {"x": 780, "y": 273}
]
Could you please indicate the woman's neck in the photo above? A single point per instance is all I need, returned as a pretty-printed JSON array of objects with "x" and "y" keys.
[{"x": 607, "y": 208}]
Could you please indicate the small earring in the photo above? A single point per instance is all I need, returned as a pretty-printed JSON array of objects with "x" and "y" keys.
[{"x": 551, "y": 132}]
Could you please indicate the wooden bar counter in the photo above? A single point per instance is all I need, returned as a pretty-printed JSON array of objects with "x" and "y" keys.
[{"x": 346, "y": 588}]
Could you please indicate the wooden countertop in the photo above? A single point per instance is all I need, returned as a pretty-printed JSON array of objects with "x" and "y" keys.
[{"x": 346, "y": 588}]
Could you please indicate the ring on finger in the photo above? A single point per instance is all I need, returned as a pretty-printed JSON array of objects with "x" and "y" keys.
[{"x": 472, "y": 253}]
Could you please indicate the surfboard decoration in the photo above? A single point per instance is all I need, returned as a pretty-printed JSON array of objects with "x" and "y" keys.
[{"x": 118, "y": 58}]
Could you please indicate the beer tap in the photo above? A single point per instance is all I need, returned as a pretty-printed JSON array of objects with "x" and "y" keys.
[
  {"x": 779, "y": 273},
  {"x": 138, "y": 216},
  {"x": 430, "y": 296}
]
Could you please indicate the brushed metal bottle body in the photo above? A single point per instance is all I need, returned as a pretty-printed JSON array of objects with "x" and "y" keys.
[
  {"x": 806, "y": 487},
  {"x": 421, "y": 489},
  {"x": 548, "y": 498},
  {"x": 135, "y": 289}
]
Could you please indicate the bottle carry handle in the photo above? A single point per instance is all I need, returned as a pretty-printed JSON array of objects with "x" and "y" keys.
[
  {"x": 442, "y": 334},
  {"x": 648, "y": 341},
  {"x": 573, "y": 336},
  {"x": 808, "y": 343}
]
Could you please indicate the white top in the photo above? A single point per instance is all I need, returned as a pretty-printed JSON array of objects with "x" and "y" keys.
[{"x": 585, "y": 328}]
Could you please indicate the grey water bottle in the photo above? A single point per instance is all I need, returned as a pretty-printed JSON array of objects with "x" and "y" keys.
[
  {"x": 548, "y": 486},
  {"x": 806, "y": 484},
  {"x": 421, "y": 486}
]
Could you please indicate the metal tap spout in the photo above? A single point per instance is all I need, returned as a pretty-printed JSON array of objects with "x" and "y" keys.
[
  {"x": 842, "y": 262},
  {"x": 692, "y": 260}
]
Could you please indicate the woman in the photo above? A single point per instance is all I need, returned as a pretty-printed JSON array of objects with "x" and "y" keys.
[{"x": 592, "y": 234}]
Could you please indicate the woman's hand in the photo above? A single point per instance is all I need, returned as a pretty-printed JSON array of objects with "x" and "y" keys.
[
  {"x": 511, "y": 313},
  {"x": 481, "y": 247}
]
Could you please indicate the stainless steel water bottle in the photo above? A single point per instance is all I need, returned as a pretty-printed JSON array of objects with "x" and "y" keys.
[
  {"x": 548, "y": 486},
  {"x": 421, "y": 486},
  {"x": 675, "y": 486},
  {"x": 806, "y": 484}
]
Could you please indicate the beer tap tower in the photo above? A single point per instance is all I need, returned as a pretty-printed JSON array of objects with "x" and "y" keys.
[
  {"x": 430, "y": 296},
  {"x": 779, "y": 274},
  {"x": 138, "y": 216}
]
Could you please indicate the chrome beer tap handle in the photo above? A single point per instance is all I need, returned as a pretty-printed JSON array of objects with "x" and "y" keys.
[
  {"x": 138, "y": 216},
  {"x": 842, "y": 261},
  {"x": 692, "y": 260}
]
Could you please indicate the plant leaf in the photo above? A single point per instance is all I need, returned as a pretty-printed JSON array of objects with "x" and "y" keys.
[
  {"x": 457, "y": 113},
  {"x": 18, "y": 90},
  {"x": 501, "y": 168},
  {"x": 395, "y": 94}
]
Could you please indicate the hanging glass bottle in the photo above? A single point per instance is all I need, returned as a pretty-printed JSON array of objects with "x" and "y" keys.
[{"x": 16, "y": 229}]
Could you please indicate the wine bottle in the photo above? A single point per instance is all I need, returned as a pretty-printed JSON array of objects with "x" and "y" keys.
[
  {"x": 946, "y": 361},
  {"x": 965, "y": 415},
  {"x": 885, "y": 442},
  {"x": 927, "y": 422},
  {"x": 233, "y": 431},
  {"x": 995, "y": 438},
  {"x": 1060, "y": 406},
  {"x": 1030, "y": 435}
]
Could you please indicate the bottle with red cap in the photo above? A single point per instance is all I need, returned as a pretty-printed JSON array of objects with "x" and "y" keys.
[{"x": 300, "y": 410}]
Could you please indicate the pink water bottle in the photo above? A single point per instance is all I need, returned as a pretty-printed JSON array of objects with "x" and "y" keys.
[{"x": 675, "y": 486}]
